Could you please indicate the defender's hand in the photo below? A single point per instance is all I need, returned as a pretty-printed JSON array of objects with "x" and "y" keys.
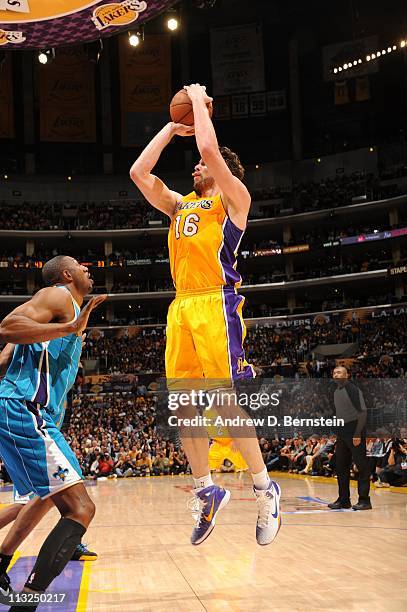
[{"x": 81, "y": 322}]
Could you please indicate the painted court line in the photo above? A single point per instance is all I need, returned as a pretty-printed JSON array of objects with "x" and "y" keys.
[{"x": 69, "y": 582}]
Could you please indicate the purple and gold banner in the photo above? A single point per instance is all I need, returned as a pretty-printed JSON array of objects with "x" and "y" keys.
[
  {"x": 145, "y": 87},
  {"x": 67, "y": 97},
  {"x": 41, "y": 23},
  {"x": 6, "y": 99}
]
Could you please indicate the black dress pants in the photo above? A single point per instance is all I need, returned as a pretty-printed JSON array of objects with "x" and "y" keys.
[{"x": 346, "y": 452}]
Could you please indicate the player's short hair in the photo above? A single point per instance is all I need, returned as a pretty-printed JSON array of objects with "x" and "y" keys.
[
  {"x": 233, "y": 162},
  {"x": 52, "y": 270}
]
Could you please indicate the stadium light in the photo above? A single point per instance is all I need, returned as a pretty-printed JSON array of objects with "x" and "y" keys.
[
  {"x": 46, "y": 55},
  {"x": 369, "y": 57},
  {"x": 172, "y": 24},
  {"x": 134, "y": 39}
]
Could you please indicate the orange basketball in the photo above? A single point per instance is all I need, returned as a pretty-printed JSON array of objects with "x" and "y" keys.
[{"x": 181, "y": 108}]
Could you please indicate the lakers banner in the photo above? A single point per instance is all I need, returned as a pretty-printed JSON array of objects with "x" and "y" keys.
[
  {"x": 341, "y": 93},
  {"x": 66, "y": 97},
  {"x": 6, "y": 99},
  {"x": 145, "y": 87},
  {"x": 41, "y": 23},
  {"x": 355, "y": 317},
  {"x": 237, "y": 59}
]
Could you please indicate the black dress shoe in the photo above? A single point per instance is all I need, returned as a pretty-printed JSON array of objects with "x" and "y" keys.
[
  {"x": 362, "y": 505},
  {"x": 337, "y": 505}
]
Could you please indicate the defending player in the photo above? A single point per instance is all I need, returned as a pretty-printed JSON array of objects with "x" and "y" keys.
[
  {"x": 28, "y": 510},
  {"x": 205, "y": 328},
  {"x": 47, "y": 331}
]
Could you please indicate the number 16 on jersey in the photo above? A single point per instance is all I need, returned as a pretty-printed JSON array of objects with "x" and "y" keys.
[{"x": 189, "y": 227}]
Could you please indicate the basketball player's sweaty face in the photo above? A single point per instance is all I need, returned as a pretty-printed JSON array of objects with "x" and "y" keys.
[
  {"x": 80, "y": 276},
  {"x": 202, "y": 178}
]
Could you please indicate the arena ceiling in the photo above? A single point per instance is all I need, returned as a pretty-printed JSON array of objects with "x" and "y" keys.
[{"x": 34, "y": 24}]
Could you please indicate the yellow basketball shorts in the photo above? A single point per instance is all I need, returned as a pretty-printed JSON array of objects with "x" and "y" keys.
[
  {"x": 205, "y": 335},
  {"x": 222, "y": 449}
]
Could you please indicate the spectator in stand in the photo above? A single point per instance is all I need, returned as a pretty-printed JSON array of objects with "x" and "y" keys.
[
  {"x": 105, "y": 465},
  {"x": 143, "y": 465},
  {"x": 124, "y": 467},
  {"x": 395, "y": 472},
  {"x": 160, "y": 465}
]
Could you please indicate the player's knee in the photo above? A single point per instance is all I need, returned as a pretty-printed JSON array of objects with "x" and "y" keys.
[
  {"x": 91, "y": 509},
  {"x": 86, "y": 511},
  {"x": 83, "y": 511}
]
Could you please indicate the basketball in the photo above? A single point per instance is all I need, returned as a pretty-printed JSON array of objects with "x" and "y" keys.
[{"x": 181, "y": 108}]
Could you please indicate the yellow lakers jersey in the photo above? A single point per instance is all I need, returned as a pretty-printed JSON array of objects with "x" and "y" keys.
[{"x": 203, "y": 244}]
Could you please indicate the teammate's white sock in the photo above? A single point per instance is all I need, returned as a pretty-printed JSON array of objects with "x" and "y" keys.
[
  {"x": 261, "y": 480},
  {"x": 203, "y": 482}
]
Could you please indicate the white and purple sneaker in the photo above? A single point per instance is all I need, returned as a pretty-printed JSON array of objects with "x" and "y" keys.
[
  {"x": 205, "y": 506},
  {"x": 269, "y": 516}
]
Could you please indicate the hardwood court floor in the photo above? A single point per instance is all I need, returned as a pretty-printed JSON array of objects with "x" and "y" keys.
[{"x": 321, "y": 560}]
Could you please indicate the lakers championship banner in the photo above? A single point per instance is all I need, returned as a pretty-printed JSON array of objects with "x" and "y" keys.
[
  {"x": 6, "y": 99},
  {"x": 67, "y": 98},
  {"x": 237, "y": 59},
  {"x": 43, "y": 23},
  {"x": 145, "y": 87}
]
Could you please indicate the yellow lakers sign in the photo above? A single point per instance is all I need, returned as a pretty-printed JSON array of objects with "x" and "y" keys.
[
  {"x": 117, "y": 13},
  {"x": 23, "y": 11},
  {"x": 11, "y": 37}
]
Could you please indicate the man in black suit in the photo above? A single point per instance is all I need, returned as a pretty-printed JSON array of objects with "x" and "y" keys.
[{"x": 351, "y": 442}]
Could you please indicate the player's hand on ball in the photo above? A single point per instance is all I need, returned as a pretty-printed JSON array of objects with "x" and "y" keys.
[
  {"x": 196, "y": 91},
  {"x": 179, "y": 129}
]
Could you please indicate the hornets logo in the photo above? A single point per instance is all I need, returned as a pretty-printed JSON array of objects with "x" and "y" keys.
[{"x": 60, "y": 473}]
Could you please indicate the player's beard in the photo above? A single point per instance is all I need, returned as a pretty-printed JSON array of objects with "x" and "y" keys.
[{"x": 201, "y": 185}]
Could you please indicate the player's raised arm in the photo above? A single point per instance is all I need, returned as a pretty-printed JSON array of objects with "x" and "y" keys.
[
  {"x": 153, "y": 188},
  {"x": 44, "y": 318},
  {"x": 236, "y": 196}
]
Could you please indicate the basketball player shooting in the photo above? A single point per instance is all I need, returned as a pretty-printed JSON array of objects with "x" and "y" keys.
[
  {"x": 205, "y": 328},
  {"x": 47, "y": 334}
]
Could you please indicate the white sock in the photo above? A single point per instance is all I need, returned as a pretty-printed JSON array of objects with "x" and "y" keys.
[
  {"x": 203, "y": 482},
  {"x": 261, "y": 480}
]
